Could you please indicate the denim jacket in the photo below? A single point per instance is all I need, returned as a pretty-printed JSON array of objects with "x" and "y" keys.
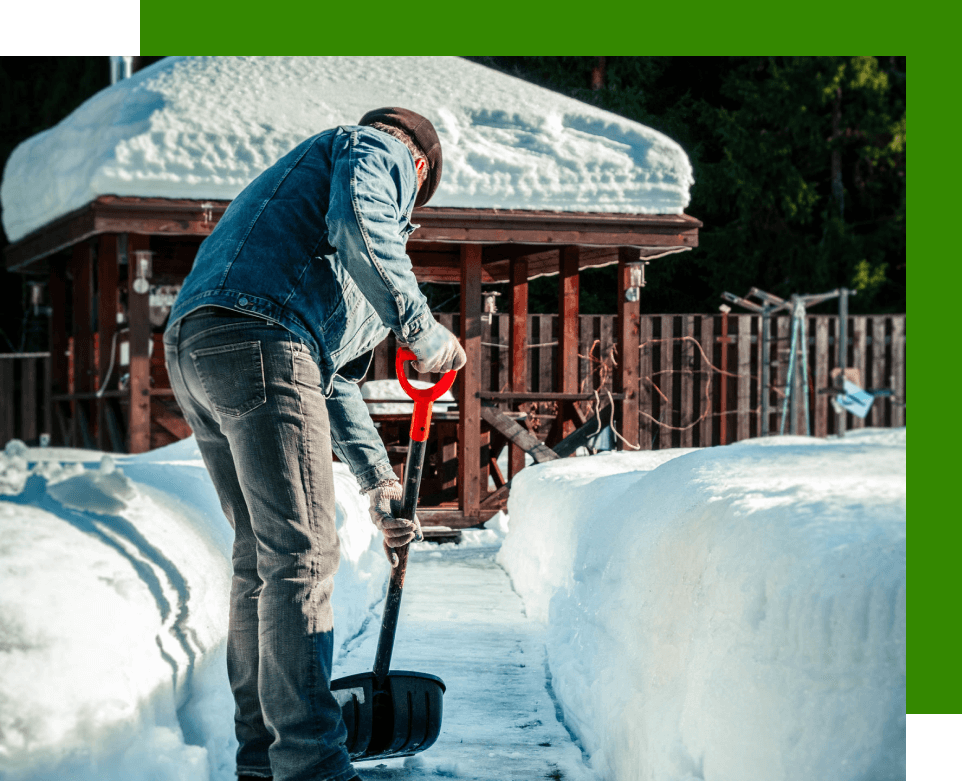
[{"x": 317, "y": 244}]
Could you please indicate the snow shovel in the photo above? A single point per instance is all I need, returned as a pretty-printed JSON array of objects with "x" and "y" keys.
[{"x": 396, "y": 713}]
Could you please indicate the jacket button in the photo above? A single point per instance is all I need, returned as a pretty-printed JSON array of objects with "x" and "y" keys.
[{"x": 243, "y": 302}]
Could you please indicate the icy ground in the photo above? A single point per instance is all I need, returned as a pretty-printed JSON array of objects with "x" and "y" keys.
[
  {"x": 204, "y": 127},
  {"x": 724, "y": 614}
]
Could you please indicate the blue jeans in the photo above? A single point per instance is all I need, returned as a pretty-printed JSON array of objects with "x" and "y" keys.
[{"x": 251, "y": 392}]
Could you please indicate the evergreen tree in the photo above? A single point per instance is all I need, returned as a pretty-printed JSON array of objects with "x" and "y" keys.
[{"x": 799, "y": 166}]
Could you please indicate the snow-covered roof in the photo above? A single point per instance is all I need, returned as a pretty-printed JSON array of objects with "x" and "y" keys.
[{"x": 203, "y": 127}]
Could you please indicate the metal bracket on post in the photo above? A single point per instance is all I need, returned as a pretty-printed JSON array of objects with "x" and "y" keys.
[{"x": 636, "y": 280}]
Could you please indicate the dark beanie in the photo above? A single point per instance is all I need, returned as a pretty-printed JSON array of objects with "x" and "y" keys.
[{"x": 422, "y": 132}]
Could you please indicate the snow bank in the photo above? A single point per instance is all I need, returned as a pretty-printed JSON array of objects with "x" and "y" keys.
[
  {"x": 728, "y": 613},
  {"x": 203, "y": 127},
  {"x": 114, "y": 610}
]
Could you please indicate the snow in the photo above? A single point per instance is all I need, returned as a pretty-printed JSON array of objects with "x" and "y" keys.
[
  {"x": 728, "y": 613},
  {"x": 679, "y": 615},
  {"x": 204, "y": 127}
]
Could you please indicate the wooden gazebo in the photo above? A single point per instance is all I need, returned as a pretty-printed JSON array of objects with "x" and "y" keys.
[{"x": 92, "y": 256}]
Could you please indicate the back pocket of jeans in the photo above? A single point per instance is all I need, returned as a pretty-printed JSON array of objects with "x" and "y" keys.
[{"x": 232, "y": 376}]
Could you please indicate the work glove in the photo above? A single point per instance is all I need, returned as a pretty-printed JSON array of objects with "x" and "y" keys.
[
  {"x": 385, "y": 504},
  {"x": 437, "y": 350}
]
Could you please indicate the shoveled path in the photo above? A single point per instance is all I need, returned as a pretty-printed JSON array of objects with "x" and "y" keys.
[{"x": 461, "y": 620}]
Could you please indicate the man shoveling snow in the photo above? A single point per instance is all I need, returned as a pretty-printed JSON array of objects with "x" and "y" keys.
[{"x": 303, "y": 276}]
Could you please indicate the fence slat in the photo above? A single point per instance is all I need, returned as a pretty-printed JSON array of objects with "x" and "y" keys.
[
  {"x": 606, "y": 337},
  {"x": 546, "y": 364},
  {"x": 646, "y": 394},
  {"x": 820, "y": 376},
  {"x": 858, "y": 361},
  {"x": 744, "y": 347},
  {"x": 504, "y": 365},
  {"x": 587, "y": 330},
  {"x": 781, "y": 344},
  {"x": 666, "y": 381},
  {"x": 878, "y": 379},
  {"x": 687, "y": 380},
  {"x": 898, "y": 371},
  {"x": 706, "y": 378}
]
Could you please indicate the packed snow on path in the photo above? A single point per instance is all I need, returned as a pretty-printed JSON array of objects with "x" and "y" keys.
[
  {"x": 728, "y": 613},
  {"x": 204, "y": 127}
]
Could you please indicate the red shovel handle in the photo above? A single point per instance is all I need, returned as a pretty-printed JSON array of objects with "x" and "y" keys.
[{"x": 423, "y": 398}]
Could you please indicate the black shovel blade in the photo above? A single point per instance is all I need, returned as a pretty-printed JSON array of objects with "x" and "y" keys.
[{"x": 396, "y": 717}]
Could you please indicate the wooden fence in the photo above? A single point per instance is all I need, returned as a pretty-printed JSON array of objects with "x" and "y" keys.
[
  {"x": 700, "y": 375},
  {"x": 696, "y": 386}
]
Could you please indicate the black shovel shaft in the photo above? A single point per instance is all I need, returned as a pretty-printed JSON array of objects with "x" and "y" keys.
[{"x": 392, "y": 605}]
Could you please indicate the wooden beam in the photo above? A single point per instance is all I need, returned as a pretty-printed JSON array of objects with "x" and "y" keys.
[
  {"x": 629, "y": 321},
  {"x": 518, "y": 435},
  {"x": 539, "y": 396},
  {"x": 184, "y": 217},
  {"x": 83, "y": 342},
  {"x": 107, "y": 275},
  {"x": 568, "y": 332},
  {"x": 518, "y": 347},
  {"x": 469, "y": 404},
  {"x": 138, "y": 317},
  {"x": 172, "y": 423}
]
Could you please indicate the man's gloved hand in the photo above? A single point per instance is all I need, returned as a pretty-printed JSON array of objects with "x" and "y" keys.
[
  {"x": 385, "y": 503},
  {"x": 438, "y": 350}
]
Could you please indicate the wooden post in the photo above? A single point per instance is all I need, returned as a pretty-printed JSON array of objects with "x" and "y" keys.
[
  {"x": 628, "y": 353},
  {"x": 106, "y": 324},
  {"x": 518, "y": 347},
  {"x": 57, "y": 291},
  {"x": 138, "y": 317},
  {"x": 568, "y": 303},
  {"x": 469, "y": 402},
  {"x": 83, "y": 342}
]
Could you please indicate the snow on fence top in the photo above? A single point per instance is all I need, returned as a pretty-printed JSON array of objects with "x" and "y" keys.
[{"x": 203, "y": 127}]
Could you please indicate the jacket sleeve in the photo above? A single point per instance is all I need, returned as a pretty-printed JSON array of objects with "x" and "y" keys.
[
  {"x": 365, "y": 223},
  {"x": 353, "y": 436}
]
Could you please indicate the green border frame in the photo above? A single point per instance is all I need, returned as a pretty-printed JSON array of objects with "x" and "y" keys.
[{"x": 935, "y": 544}]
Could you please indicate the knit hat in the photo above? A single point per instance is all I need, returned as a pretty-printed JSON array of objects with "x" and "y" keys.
[{"x": 422, "y": 133}]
